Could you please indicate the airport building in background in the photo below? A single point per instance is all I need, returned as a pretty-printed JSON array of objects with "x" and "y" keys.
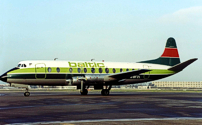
[
  {"x": 148, "y": 85},
  {"x": 169, "y": 84}
]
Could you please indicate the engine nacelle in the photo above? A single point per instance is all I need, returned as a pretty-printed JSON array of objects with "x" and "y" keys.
[
  {"x": 109, "y": 79},
  {"x": 69, "y": 82},
  {"x": 97, "y": 78},
  {"x": 77, "y": 80},
  {"x": 93, "y": 78}
]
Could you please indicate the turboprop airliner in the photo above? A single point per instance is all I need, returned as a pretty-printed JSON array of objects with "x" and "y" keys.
[{"x": 100, "y": 75}]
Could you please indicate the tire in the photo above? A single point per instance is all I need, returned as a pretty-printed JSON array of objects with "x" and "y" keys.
[
  {"x": 102, "y": 92},
  {"x": 26, "y": 94},
  {"x": 105, "y": 92},
  {"x": 85, "y": 92}
]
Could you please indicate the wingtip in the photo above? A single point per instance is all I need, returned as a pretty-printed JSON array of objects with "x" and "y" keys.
[{"x": 193, "y": 59}]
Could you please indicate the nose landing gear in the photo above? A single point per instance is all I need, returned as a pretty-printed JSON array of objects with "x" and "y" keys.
[{"x": 26, "y": 94}]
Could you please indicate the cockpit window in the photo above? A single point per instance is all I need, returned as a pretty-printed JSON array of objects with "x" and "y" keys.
[{"x": 22, "y": 65}]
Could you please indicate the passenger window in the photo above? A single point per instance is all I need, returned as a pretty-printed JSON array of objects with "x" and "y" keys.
[
  {"x": 25, "y": 65},
  {"x": 100, "y": 70},
  {"x": 79, "y": 70},
  {"x": 114, "y": 70},
  {"x": 133, "y": 69},
  {"x": 121, "y": 70},
  {"x": 58, "y": 69},
  {"x": 70, "y": 70},
  {"x": 127, "y": 69},
  {"x": 106, "y": 70},
  {"x": 85, "y": 70},
  {"x": 93, "y": 70},
  {"x": 49, "y": 69}
]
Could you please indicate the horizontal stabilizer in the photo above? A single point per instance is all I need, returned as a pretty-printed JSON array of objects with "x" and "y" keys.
[
  {"x": 183, "y": 65},
  {"x": 128, "y": 74}
]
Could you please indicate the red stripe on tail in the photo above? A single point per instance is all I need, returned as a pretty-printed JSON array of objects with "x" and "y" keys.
[{"x": 170, "y": 52}]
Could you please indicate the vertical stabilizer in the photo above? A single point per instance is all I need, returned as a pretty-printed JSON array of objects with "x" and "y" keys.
[{"x": 170, "y": 55}]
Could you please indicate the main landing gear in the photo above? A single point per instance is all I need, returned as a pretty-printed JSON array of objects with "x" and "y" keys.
[
  {"x": 83, "y": 90},
  {"x": 26, "y": 94},
  {"x": 105, "y": 91}
]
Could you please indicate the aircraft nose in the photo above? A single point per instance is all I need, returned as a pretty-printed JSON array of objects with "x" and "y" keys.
[{"x": 3, "y": 77}]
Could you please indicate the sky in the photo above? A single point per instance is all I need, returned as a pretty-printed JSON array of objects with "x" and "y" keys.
[{"x": 110, "y": 30}]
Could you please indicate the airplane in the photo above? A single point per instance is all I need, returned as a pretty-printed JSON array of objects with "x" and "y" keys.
[{"x": 100, "y": 75}]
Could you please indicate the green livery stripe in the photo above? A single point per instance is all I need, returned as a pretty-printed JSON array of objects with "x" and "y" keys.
[
  {"x": 75, "y": 70},
  {"x": 163, "y": 61},
  {"x": 158, "y": 71},
  {"x": 32, "y": 76},
  {"x": 39, "y": 70},
  {"x": 171, "y": 43},
  {"x": 69, "y": 76}
]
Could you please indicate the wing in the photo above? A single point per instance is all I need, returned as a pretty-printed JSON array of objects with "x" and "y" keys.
[{"x": 128, "y": 74}]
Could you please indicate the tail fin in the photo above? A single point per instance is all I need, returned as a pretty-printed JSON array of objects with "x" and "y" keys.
[{"x": 170, "y": 55}]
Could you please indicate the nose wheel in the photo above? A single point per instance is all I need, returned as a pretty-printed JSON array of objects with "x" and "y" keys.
[{"x": 26, "y": 94}]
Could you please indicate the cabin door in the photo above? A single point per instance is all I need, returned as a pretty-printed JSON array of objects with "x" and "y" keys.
[
  {"x": 147, "y": 74},
  {"x": 40, "y": 71}
]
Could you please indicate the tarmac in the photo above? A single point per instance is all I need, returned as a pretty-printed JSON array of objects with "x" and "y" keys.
[{"x": 150, "y": 108}]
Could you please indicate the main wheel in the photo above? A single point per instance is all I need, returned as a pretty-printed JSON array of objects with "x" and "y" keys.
[
  {"x": 85, "y": 92},
  {"x": 105, "y": 92},
  {"x": 26, "y": 94},
  {"x": 102, "y": 92}
]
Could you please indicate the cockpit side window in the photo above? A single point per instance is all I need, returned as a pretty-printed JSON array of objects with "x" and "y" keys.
[
  {"x": 25, "y": 65},
  {"x": 19, "y": 65}
]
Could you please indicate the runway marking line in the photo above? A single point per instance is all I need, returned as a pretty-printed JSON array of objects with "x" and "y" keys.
[{"x": 108, "y": 120}]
